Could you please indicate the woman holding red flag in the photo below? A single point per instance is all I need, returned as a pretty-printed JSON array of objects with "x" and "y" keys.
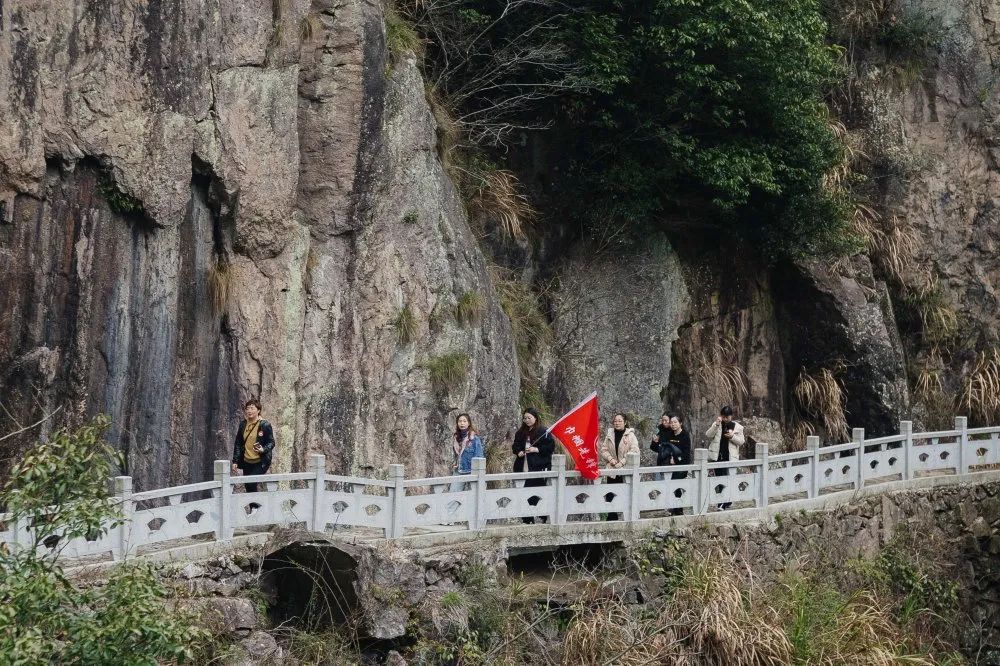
[{"x": 532, "y": 445}]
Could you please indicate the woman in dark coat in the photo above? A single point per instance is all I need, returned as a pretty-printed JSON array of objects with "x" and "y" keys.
[{"x": 531, "y": 444}]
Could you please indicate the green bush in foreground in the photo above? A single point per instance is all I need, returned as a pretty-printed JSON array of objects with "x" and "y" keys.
[{"x": 61, "y": 486}]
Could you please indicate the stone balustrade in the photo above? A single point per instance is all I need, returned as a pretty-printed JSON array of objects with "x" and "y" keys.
[{"x": 397, "y": 507}]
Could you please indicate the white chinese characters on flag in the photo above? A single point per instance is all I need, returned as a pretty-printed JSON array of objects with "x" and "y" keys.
[{"x": 578, "y": 433}]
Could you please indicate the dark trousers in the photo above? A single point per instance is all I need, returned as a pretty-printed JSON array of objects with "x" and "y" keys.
[
  {"x": 253, "y": 469},
  {"x": 534, "y": 483},
  {"x": 607, "y": 498},
  {"x": 724, "y": 472}
]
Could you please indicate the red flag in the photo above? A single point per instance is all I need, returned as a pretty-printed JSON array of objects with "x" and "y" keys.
[{"x": 578, "y": 432}]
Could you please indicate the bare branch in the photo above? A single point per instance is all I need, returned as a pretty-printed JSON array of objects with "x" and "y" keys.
[{"x": 33, "y": 425}]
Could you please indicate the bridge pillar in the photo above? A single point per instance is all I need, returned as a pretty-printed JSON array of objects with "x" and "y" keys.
[
  {"x": 558, "y": 516},
  {"x": 858, "y": 437},
  {"x": 224, "y": 530},
  {"x": 701, "y": 459},
  {"x": 962, "y": 426},
  {"x": 632, "y": 461},
  {"x": 317, "y": 465},
  {"x": 906, "y": 430},
  {"x": 812, "y": 443},
  {"x": 479, "y": 472},
  {"x": 761, "y": 453},
  {"x": 396, "y": 476},
  {"x": 123, "y": 493}
]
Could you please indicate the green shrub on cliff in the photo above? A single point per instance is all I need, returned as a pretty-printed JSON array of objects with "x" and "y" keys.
[
  {"x": 61, "y": 487},
  {"x": 712, "y": 109}
]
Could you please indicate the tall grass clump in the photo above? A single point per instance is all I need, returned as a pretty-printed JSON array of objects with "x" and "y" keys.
[
  {"x": 400, "y": 36},
  {"x": 219, "y": 280},
  {"x": 405, "y": 325},
  {"x": 470, "y": 308},
  {"x": 448, "y": 370},
  {"x": 495, "y": 196},
  {"x": 981, "y": 387},
  {"x": 718, "y": 366},
  {"x": 821, "y": 398}
]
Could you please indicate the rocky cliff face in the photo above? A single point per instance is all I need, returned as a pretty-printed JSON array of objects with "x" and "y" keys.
[
  {"x": 200, "y": 203},
  {"x": 206, "y": 203}
]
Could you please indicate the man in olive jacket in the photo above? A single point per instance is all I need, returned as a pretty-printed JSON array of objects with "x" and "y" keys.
[{"x": 254, "y": 445}]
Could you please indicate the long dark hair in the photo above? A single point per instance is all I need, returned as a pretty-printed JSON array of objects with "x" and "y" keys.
[
  {"x": 524, "y": 429},
  {"x": 472, "y": 428}
]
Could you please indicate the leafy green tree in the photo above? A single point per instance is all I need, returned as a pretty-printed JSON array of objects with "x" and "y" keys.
[
  {"x": 662, "y": 108},
  {"x": 61, "y": 489},
  {"x": 715, "y": 104}
]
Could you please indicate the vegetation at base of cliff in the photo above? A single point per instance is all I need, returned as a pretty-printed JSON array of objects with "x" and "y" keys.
[
  {"x": 46, "y": 618},
  {"x": 697, "y": 607}
]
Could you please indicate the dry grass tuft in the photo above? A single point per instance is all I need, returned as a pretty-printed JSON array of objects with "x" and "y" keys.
[
  {"x": 938, "y": 319},
  {"x": 219, "y": 278},
  {"x": 719, "y": 368},
  {"x": 890, "y": 243},
  {"x": 820, "y": 396},
  {"x": 928, "y": 385},
  {"x": 469, "y": 308},
  {"x": 719, "y": 616},
  {"x": 405, "y": 325},
  {"x": 981, "y": 392},
  {"x": 496, "y": 196},
  {"x": 828, "y": 628},
  {"x": 498, "y": 458},
  {"x": 448, "y": 370},
  {"x": 858, "y": 19}
]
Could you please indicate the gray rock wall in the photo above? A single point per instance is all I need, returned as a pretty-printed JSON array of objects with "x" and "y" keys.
[{"x": 207, "y": 202}]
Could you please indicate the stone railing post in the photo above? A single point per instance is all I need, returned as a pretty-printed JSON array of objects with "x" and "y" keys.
[
  {"x": 317, "y": 465},
  {"x": 479, "y": 474},
  {"x": 396, "y": 476},
  {"x": 906, "y": 430},
  {"x": 701, "y": 459},
  {"x": 632, "y": 462},
  {"x": 123, "y": 495},
  {"x": 858, "y": 437},
  {"x": 224, "y": 530},
  {"x": 962, "y": 426},
  {"x": 812, "y": 444},
  {"x": 22, "y": 538},
  {"x": 558, "y": 516},
  {"x": 761, "y": 453}
]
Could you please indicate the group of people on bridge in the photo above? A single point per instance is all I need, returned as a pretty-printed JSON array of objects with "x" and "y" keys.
[{"x": 532, "y": 446}]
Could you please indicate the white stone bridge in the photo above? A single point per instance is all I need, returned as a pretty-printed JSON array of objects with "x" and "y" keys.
[{"x": 196, "y": 520}]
